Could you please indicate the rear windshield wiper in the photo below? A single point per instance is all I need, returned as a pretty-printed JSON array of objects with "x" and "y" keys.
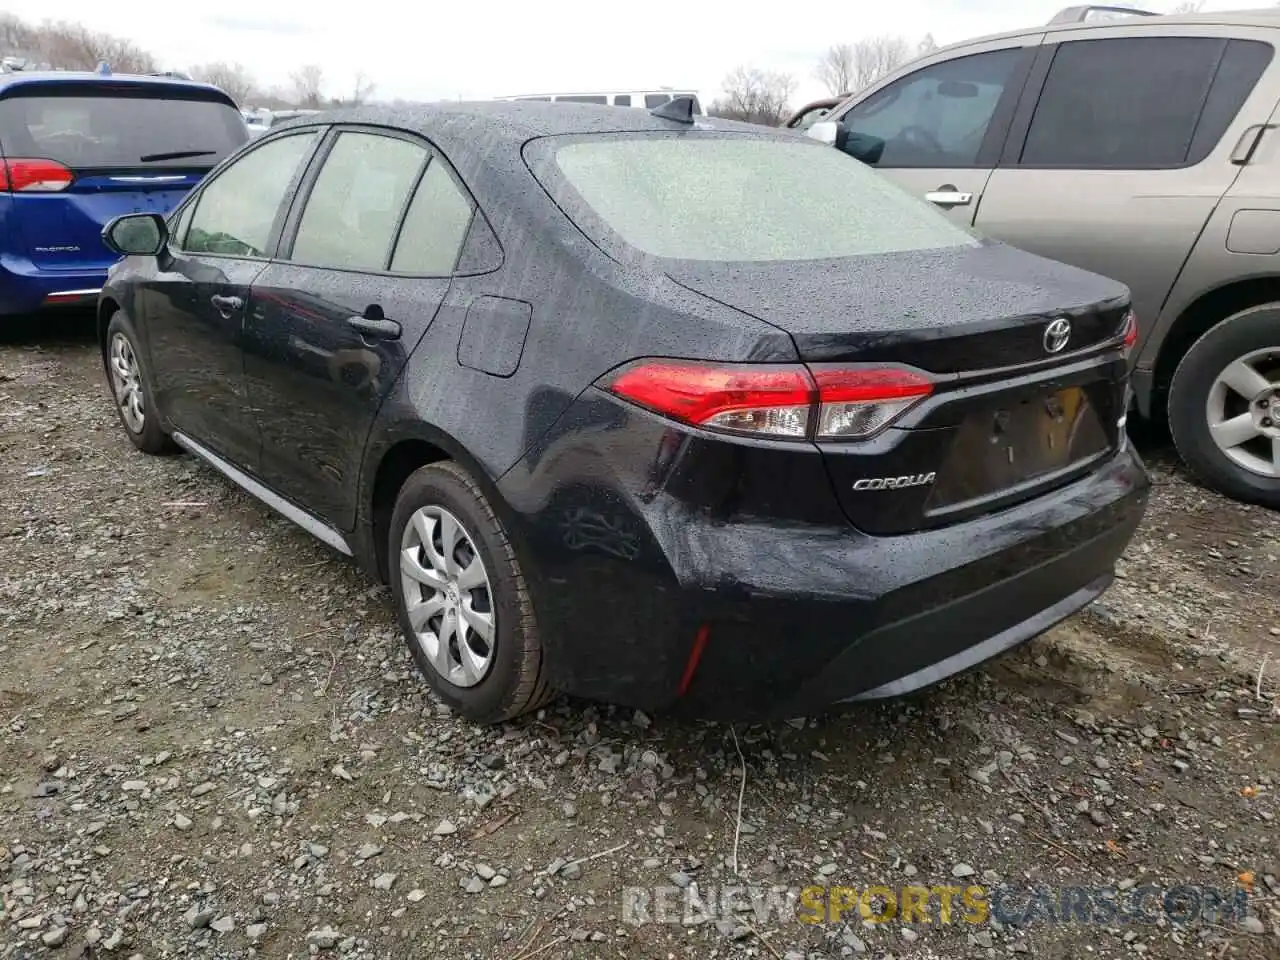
[{"x": 175, "y": 155}]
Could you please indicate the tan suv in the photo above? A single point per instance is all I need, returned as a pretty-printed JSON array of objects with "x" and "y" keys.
[{"x": 1140, "y": 146}]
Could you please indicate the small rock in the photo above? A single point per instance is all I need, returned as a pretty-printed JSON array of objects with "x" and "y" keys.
[
  {"x": 323, "y": 939},
  {"x": 198, "y": 918},
  {"x": 181, "y": 822},
  {"x": 55, "y": 937},
  {"x": 1181, "y": 766},
  {"x": 473, "y": 885},
  {"x": 255, "y": 931},
  {"x": 113, "y": 941},
  {"x": 680, "y": 879},
  {"x": 1249, "y": 924},
  {"x": 223, "y": 925},
  {"x": 204, "y": 788},
  {"x": 384, "y": 881},
  {"x": 498, "y": 880},
  {"x": 368, "y": 851},
  {"x": 416, "y": 895},
  {"x": 1101, "y": 762},
  {"x": 444, "y": 828},
  {"x": 133, "y": 786},
  {"x": 962, "y": 870},
  {"x": 827, "y": 869},
  {"x": 571, "y": 871},
  {"x": 485, "y": 872}
]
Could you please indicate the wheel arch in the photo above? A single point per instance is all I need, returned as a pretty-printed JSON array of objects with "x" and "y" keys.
[
  {"x": 393, "y": 460},
  {"x": 107, "y": 307},
  {"x": 1198, "y": 318}
]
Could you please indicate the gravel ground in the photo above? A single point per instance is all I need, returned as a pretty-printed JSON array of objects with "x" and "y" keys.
[{"x": 213, "y": 744}]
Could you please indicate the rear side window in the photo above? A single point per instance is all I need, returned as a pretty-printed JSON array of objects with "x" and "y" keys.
[
  {"x": 622, "y": 100},
  {"x": 652, "y": 100},
  {"x": 720, "y": 198},
  {"x": 435, "y": 226},
  {"x": 86, "y": 126},
  {"x": 236, "y": 210},
  {"x": 1140, "y": 102},
  {"x": 583, "y": 98},
  {"x": 351, "y": 215}
]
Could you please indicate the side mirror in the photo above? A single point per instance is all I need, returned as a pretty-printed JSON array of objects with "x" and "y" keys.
[
  {"x": 136, "y": 234},
  {"x": 824, "y": 131}
]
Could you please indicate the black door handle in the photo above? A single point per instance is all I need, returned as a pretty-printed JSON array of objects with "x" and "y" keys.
[
  {"x": 226, "y": 305},
  {"x": 376, "y": 328}
]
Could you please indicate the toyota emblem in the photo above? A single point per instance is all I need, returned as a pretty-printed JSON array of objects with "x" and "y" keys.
[{"x": 1056, "y": 335}]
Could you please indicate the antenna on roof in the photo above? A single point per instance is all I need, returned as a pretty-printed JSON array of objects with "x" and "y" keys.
[
  {"x": 103, "y": 69},
  {"x": 679, "y": 109}
]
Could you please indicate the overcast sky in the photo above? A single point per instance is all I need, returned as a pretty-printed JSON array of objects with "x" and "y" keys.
[{"x": 446, "y": 49}]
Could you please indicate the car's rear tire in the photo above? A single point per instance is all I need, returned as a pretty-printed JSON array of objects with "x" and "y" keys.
[
  {"x": 445, "y": 597},
  {"x": 1220, "y": 403},
  {"x": 130, "y": 386}
]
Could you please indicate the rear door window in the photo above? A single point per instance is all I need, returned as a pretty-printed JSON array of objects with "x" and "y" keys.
[
  {"x": 1140, "y": 102},
  {"x": 85, "y": 126},
  {"x": 435, "y": 226},
  {"x": 353, "y": 211}
]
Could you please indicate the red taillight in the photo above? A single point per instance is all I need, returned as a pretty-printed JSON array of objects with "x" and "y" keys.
[
  {"x": 789, "y": 401},
  {"x": 1130, "y": 330},
  {"x": 33, "y": 176}
]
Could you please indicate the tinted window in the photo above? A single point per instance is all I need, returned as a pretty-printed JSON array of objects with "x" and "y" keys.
[
  {"x": 351, "y": 215},
  {"x": 235, "y": 211},
  {"x": 937, "y": 116},
  {"x": 583, "y": 98},
  {"x": 652, "y": 100},
  {"x": 747, "y": 199},
  {"x": 1137, "y": 101},
  {"x": 434, "y": 227},
  {"x": 622, "y": 100},
  {"x": 105, "y": 127}
]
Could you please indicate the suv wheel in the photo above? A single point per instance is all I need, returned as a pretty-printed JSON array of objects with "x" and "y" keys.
[
  {"x": 1224, "y": 406},
  {"x": 461, "y": 598},
  {"x": 131, "y": 389}
]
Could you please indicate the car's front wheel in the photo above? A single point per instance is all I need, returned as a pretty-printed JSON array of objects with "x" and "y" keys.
[
  {"x": 1224, "y": 406},
  {"x": 461, "y": 597},
  {"x": 131, "y": 389}
]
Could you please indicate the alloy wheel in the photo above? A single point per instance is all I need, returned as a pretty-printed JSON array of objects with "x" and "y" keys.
[
  {"x": 1243, "y": 412},
  {"x": 447, "y": 596},
  {"x": 126, "y": 381}
]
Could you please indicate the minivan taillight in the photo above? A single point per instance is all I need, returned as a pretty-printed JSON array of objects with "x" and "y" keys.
[
  {"x": 33, "y": 176},
  {"x": 788, "y": 401}
]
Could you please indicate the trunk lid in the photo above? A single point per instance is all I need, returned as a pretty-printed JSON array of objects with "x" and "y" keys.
[
  {"x": 1008, "y": 418},
  {"x": 126, "y": 146}
]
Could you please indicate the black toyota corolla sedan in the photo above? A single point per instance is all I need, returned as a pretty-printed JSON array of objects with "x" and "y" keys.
[{"x": 661, "y": 410}]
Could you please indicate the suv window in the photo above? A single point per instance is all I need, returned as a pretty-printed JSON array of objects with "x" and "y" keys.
[
  {"x": 88, "y": 125},
  {"x": 354, "y": 208},
  {"x": 236, "y": 210},
  {"x": 1140, "y": 102},
  {"x": 652, "y": 100},
  {"x": 937, "y": 116},
  {"x": 435, "y": 226},
  {"x": 622, "y": 100}
]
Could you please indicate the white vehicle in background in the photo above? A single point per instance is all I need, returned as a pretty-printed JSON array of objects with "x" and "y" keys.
[{"x": 644, "y": 99}]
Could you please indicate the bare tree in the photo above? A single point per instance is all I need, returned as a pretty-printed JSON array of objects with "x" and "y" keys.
[
  {"x": 73, "y": 47},
  {"x": 308, "y": 85},
  {"x": 926, "y": 46},
  {"x": 231, "y": 78},
  {"x": 364, "y": 89},
  {"x": 848, "y": 67},
  {"x": 835, "y": 69},
  {"x": 755, "y": 96}
]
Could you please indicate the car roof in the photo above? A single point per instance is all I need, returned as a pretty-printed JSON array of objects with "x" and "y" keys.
[
  {"x": 517, "y": 121},
  {"x": 23, "y": 78},
  {"x": 1267, "y": 17}
]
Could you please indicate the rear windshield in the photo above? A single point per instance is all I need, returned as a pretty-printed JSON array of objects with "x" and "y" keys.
[
  {"x": 721, "y": 198},
  {"x": 114, "y": 128}
]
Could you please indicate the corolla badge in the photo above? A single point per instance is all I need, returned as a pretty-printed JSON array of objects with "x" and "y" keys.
[
  {"x": 1056, "y": 335},
  {"x": 894, "y": 483}
]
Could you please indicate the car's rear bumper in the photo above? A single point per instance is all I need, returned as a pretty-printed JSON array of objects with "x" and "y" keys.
[
  {"x": 756, "y": 619},
  {"x": 24, "y": 288}
]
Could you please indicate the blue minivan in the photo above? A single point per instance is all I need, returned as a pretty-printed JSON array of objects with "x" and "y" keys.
[{"x": 77, "y": 150}]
